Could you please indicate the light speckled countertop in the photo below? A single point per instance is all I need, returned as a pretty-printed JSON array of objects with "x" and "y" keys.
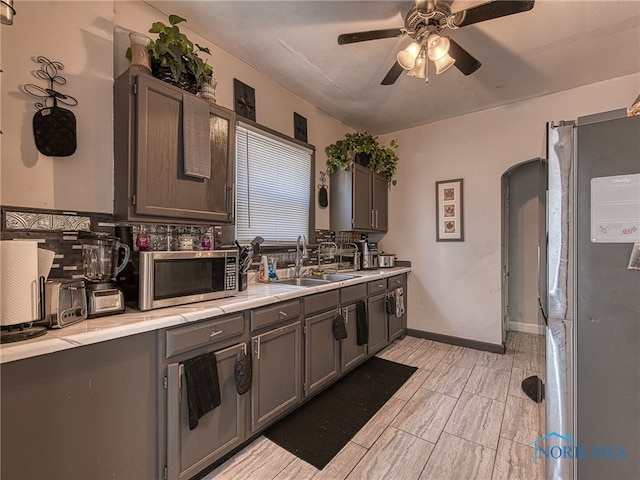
[{"x": 133, "y": 321}]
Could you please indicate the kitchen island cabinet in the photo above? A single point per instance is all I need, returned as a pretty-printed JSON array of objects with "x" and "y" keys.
[
  {"x": 150, "y": 183},
  {"x": 359, "y": 200},
  {"x": 85, "y": 413}
]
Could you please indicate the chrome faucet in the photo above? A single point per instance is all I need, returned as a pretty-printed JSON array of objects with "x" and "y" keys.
[{"x": 301, "y": 253}]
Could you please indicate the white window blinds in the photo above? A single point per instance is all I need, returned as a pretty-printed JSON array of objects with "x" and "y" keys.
[{"x": 273, "y": 182}]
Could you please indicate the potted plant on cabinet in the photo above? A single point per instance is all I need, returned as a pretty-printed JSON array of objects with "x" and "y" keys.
[
  {"x": 174, "y": 58},
  {"x": 363, "y": 148}
]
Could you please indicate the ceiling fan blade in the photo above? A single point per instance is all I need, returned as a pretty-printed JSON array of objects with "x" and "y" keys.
[
  {"x": 490, "y": 10},
  {"x": 392, "y": 75},
  {"x": 465, "y": 62},
  {"x": 355, "y": 37}
]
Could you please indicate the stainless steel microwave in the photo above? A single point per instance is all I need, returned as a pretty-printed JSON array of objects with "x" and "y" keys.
[{"x": 176, "y": 278}]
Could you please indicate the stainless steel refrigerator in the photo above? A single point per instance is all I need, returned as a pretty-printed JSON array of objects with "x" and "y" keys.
[{"x": 591, "y": 298}]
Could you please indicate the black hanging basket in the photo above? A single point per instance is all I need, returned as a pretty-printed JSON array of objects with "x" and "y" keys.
[{"x": 186, "y": 81}]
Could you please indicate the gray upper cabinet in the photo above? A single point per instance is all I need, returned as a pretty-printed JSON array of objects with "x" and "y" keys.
[
  {"x": 150, "y": 184},
  {"x": 358, "y": 200}
]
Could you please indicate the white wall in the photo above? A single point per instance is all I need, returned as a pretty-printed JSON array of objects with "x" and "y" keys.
[
  {"x": 454, "y": 288},
  {"x": 90, "y": 39}
]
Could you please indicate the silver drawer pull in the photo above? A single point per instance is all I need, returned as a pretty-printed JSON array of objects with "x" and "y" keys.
[
  {"x": 380, "y": 285},
  {"x": 282, "y": 314},
  {"x": 213, "y": 334}
]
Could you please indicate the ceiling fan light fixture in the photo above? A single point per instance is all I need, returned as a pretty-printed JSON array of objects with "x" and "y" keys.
[
  {"x": 407, "y": 57},
  {"x": 419, "y": 70},
  {"x": 443, "y": 64},
  {"x": 438, "y": 47}
]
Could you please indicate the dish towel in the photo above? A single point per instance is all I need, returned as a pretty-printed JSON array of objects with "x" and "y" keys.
[
  {"x": 203, "y": 388},
  {"x": 195, "y": 132},
  {"x": 339, "y": 327},
  {"x": 362, "y": 323},
  {"x": 399, "y": 297}
]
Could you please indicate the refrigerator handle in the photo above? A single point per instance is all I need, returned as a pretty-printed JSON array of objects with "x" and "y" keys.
[{"x": 544, "y": 315}]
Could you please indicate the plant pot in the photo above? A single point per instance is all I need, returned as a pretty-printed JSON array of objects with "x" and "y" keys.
[
  {"x": 140, "y": 61},
  {"x": 362, "y": 159},
  {"x": 186, "y": 82}
]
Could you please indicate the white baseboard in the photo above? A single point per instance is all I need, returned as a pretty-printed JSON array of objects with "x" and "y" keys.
[{"x": 526, "y": 328}]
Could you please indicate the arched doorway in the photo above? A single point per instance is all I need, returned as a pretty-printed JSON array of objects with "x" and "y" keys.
[{"x": 520, "y": 237}]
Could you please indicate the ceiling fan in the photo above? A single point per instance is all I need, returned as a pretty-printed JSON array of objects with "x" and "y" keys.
[{"x": 424, "y": 24}]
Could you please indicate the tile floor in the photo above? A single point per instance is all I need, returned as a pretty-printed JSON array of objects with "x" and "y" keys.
[{"x": 462, "y": 415}]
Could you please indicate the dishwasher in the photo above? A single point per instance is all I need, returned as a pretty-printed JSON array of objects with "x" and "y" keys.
[{"x": 188, "y": 452}]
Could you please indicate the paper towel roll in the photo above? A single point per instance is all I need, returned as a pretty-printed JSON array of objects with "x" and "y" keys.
[{"x": 19, "y": 297}]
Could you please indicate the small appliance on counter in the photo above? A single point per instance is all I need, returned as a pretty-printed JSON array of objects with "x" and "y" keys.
[
  {"x": 65, "y": 303},
  {"x": 368, "y": 254},
  {"x": 100, "y": 253},
  {"x": 386, "y": 260}
]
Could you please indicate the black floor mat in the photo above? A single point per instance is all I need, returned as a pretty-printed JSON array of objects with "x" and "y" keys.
[{"x": 319, "y": 429}]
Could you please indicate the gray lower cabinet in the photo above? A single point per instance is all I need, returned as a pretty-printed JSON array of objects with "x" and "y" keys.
[
  {"x": 218, "y": 432},
  {"x": 398, "y": 324},
  {"x": 378, "y": 323},
  {"x": 277, "y": 373},
  {"x": 85, "y": 413},
  {"x": 322, "y": 350},
  {"x": 352, "y": 354}
]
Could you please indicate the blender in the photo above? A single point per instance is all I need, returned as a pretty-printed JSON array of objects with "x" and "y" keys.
[{"x": 102, "y": 262}]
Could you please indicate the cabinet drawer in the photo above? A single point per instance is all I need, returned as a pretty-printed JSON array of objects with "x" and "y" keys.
[
  {"x": 186, "y": 338},
  {"x": 263, "y": 317},
  {"x": 377, "y": 286},
  {"x": 395, "y": 282},
  {"x": 321, "y": 302},
  {"x": 352, "y": 293}
]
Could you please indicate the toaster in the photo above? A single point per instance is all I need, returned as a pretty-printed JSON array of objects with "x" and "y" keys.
[{"x": 65, "y": 303}]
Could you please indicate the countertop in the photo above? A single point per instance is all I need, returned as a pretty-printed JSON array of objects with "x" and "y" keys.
[{"x": 133, "y": 321}]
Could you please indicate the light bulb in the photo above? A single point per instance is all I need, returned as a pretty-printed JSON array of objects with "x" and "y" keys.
[{"x": 407, "y": 57}]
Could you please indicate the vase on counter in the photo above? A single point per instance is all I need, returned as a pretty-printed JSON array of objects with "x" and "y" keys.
[{"x": 140, "y": 61}]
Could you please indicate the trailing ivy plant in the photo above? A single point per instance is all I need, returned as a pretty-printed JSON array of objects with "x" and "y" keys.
[{"x": 382, "y": 160}]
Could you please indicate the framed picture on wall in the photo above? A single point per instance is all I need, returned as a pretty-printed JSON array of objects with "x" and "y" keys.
[{"x": 449, "y": 218}]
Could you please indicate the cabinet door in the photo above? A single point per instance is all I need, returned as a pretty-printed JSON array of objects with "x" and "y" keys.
[
  {"x": 351, "y": 353},
  {"x": 377, "y": 323},
  {"x": 161, "y": 187},
  {"x": 277, "y": 374},
  {"x": 362, "y": 206},
  {"x": 322, "y": 352},
  {"x": 380, "y": 190},
  {"x": 219, "y": 431},
  {"x": 397, "y": 325}
]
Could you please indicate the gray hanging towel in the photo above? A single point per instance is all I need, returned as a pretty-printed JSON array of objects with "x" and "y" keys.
[
  {"x": 399, "y": 296},
  {"x": 195, "y": 132},
  {"x": 362, "y": 323},
  {"x": 203, "y": 387},
  {"x": 339, "y": 327}
]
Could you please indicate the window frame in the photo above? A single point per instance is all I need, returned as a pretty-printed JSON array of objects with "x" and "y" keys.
[{"x": 266, "y": 131}]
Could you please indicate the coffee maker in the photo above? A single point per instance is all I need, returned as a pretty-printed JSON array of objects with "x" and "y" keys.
[
  {"x": 101, "y": 255},
  {"x": 368, "y": 252}
]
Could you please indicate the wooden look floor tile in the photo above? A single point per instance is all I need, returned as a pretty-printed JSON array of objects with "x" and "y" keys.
[
  {"x": 411, "y": 386},
  {"x": 477, "y": 419},
  {"x": 488, "y": 382},
  {"x": 514, "y": 461},
  {"x": 447, "y": 379},
  {"x": 521, "y": 421},
  {"x": 495, "y": 360},
  {"x": 454, "y": 458},
  {"x": 529, "y": 361},
  {"x": 424, "y": 357},
  {"x": 461, "y": 357},
  {"x": 261, "y": 460},
  {"x": 337, "y": 469},
  {"x": 439, "y": 345},
  {"x": 378, "y": 423},
  {"x": 425, "y": 415},
  {"x": 396, "y": 454}
]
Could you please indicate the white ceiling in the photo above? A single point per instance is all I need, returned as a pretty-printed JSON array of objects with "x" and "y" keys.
[{"x": 558, "y": 45}]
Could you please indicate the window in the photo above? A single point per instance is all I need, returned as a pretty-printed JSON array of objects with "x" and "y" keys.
[{"x": 273, "y": 186}]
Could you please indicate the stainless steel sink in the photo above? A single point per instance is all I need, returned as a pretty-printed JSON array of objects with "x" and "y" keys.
[
  {"x": 315, "y": 280},
  {"x": 303, "y": 281}
]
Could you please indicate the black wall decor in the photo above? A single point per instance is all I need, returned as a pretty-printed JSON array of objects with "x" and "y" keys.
[
  {"x": 54, "y": 128},
  {"x": 299, "y": 127},
  {"x": 244, "y": 100}
]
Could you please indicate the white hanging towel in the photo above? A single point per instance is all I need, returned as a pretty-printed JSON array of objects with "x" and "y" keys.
[
  {"x": 399, "y": 294},
  {"x": 195, "y": 132}
]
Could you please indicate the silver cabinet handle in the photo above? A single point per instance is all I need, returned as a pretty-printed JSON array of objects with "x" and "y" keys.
[
  {"x": 376, "y": 210},
  {"x": 257, "y": 348},
  {"x": 213, "y": 334},
  {"x": 282, "y": 314}
]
